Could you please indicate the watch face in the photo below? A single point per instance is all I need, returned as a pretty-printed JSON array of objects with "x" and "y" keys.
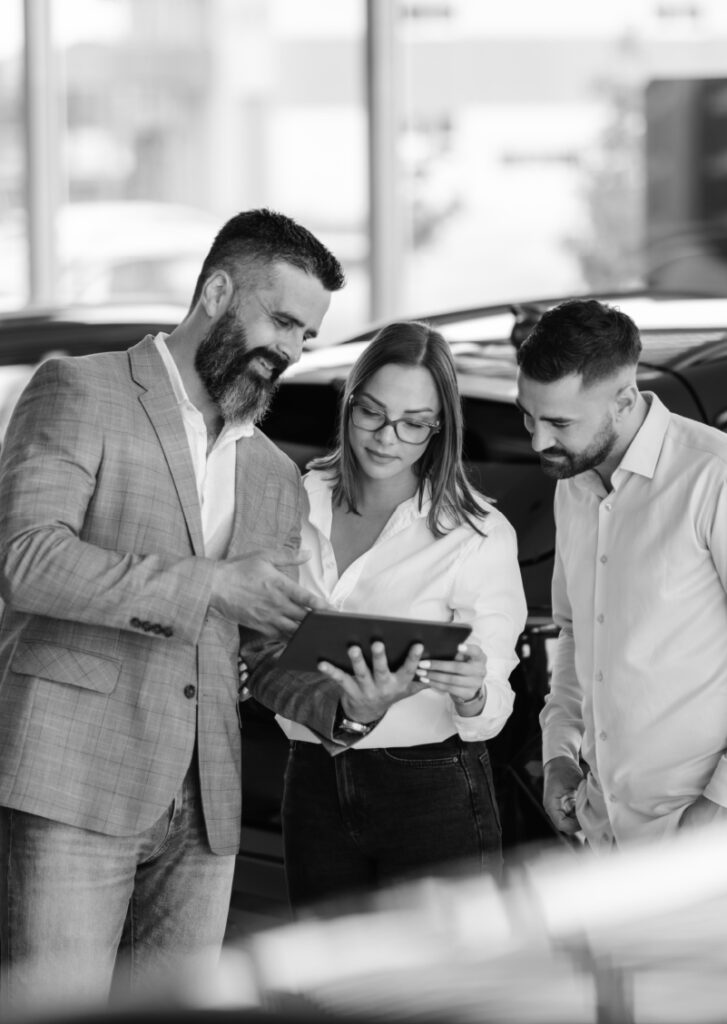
[{"x": 358, "y": 727}]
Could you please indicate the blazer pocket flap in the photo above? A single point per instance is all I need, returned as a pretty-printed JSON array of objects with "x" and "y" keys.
[{"x": 66, "y": 665}]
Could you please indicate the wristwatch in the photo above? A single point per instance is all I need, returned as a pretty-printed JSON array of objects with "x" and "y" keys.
[
  {"x": 348, "y": 725},
  {"x": 343, "y": 724}
]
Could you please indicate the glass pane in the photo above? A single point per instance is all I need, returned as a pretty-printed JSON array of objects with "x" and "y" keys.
[
  {"x": 13, "y": 251},
  {"x": 179, "y": 113},
  {"x": 524, "y": 157}
]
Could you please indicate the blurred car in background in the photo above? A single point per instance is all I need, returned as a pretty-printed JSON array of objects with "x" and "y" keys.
[{"x": 684, "y": 361}]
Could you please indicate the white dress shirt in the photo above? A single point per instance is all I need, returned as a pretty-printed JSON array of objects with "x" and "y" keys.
[
  {"x": 461, "y": 577},
  {"x": 639, "y": 683},
  {"x": 214, "y": 472}
]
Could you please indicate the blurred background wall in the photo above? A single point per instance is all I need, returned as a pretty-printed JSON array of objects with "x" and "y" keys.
[{"x": 451, "y": 153}]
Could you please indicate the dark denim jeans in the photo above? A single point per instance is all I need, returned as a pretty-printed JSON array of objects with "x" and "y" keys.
[{"x": 367, "y": 818}]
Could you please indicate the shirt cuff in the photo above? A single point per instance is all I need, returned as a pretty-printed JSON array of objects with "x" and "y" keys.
[
  {"x": 561, "y": 741},
  {"x": 484, "y": 726}
]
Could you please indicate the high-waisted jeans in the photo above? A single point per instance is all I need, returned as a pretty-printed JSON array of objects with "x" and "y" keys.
[{"x": 366, "y": 818}]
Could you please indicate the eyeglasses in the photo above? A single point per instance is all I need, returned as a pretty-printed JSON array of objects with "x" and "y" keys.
[{"x": 407, "y": 430}]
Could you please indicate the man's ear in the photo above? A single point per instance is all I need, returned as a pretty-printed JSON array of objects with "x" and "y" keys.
[
  {"x": 217, "y": 293},
  {"x": 626, "y": 399}
]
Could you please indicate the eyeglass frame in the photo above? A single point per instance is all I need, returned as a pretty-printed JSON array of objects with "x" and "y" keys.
[{"x": 434, "y": 427}]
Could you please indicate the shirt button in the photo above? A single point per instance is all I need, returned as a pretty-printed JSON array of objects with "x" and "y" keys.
[
  {"x": 607, "y": 506},
  {"x": 603, "y": 735},
  {"x": 599, "y": 677},
  {"x": 612, "y": 798},
  {"x": 604, "y": 558},
  {"x": 600, "y": 618},
  {"x": 189, "y": 691}
]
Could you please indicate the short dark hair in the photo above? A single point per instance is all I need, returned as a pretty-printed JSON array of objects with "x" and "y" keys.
[
  {"x": 580, "y": 336},
  {"x": 412, "y": 343},
  {"x": 265, "y": 237}
]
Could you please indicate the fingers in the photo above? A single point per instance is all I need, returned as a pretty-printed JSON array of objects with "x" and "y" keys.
[
  {"x": 285, "y": 556},
  {"x": 361, "y": 671},
  {"x": 412, "y": 660},
  {"x": 470, "y": 660},
  {"x": 457, "y": 677},
  {"x": 559, "y": 802},
  {"x": 358, "y": 682},
  {"x": 379, "y": 662},
  {"x": 297, "y": 595},
  {"x": 344, "y": 680},
  {"x": 279, "y": 624}
]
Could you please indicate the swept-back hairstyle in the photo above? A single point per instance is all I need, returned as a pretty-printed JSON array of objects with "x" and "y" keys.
[
  {"x": 256, "y": 238},
  {"x": 412, "y": 343},
  {"x": 580, "y": 336}
]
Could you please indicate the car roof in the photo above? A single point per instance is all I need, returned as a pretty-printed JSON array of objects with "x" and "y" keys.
[
  {"x": 674, "y": 328},
  {"x": 27, "y": 336}
]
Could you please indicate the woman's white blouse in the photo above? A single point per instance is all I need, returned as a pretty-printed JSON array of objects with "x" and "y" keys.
[{"x": 461, "y": 577}]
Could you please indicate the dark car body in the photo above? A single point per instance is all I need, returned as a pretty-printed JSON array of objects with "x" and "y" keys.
[{"x": 684, "y": 362}]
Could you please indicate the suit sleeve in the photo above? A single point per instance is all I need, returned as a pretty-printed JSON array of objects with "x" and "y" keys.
[
  {"x": 53, "y": 452},
  {"x": 561, "y": 719},
  {"x": 310, "y": 698}
]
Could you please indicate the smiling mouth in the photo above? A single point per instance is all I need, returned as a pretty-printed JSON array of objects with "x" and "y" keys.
[{"x": 267, "y": 367}]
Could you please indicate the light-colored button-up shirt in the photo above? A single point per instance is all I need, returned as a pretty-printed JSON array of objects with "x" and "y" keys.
[
  {"x": 461, "y": 577},
  {"x": 639, "y": 682},
  {"x": 214, "y": 472}
]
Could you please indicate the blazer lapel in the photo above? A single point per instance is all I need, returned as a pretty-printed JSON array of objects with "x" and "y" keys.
[
  {"x": 250, "y": 475},
  {"x": 160, "y": 403}
]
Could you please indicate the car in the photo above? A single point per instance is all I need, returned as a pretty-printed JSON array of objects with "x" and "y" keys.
[{"x": 684, "y": 361}]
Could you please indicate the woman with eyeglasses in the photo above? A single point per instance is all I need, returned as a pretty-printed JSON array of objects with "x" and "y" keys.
[{"x": 394, "y": 528}]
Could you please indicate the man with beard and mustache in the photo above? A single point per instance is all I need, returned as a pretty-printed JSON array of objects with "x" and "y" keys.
[
  {"x": 143, "y": 520},
  {"x": 635, "y": 724}
]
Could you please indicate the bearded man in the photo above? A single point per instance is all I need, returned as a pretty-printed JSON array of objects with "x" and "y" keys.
[
  {"x": 635, "y": 724},
  {"x": 143, "y": 519}
]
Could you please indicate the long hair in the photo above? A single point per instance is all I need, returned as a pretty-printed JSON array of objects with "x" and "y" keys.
[{"x": 454, "y": 501}]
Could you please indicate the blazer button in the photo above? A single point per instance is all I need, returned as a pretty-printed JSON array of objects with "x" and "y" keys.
[
  {"x": 189, "y": 691},
  {"x": 135, "y": 621},
  {"x": 168, "y": 631}
]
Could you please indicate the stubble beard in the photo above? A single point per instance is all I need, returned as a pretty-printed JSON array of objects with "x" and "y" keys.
[{"x": 571, "y": 464}]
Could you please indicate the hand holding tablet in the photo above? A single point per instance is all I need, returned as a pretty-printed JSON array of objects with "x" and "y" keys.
[{"x": 327, "y": 636}]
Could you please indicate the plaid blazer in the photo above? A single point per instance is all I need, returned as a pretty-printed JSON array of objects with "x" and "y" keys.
[{"x": 111, "y": 663}]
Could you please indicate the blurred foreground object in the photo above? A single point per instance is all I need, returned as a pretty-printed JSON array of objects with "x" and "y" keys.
[
  {"x": 639, "y": 935},
  {"x": 635, "y": 936}
]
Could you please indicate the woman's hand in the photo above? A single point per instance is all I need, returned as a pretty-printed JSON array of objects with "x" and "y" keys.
[
  {"x": 367, "y": 694},
  {"x": 463, "y": 679}
]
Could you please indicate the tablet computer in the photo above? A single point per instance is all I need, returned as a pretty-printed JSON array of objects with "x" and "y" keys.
[{"x": 326, "y": 636}]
